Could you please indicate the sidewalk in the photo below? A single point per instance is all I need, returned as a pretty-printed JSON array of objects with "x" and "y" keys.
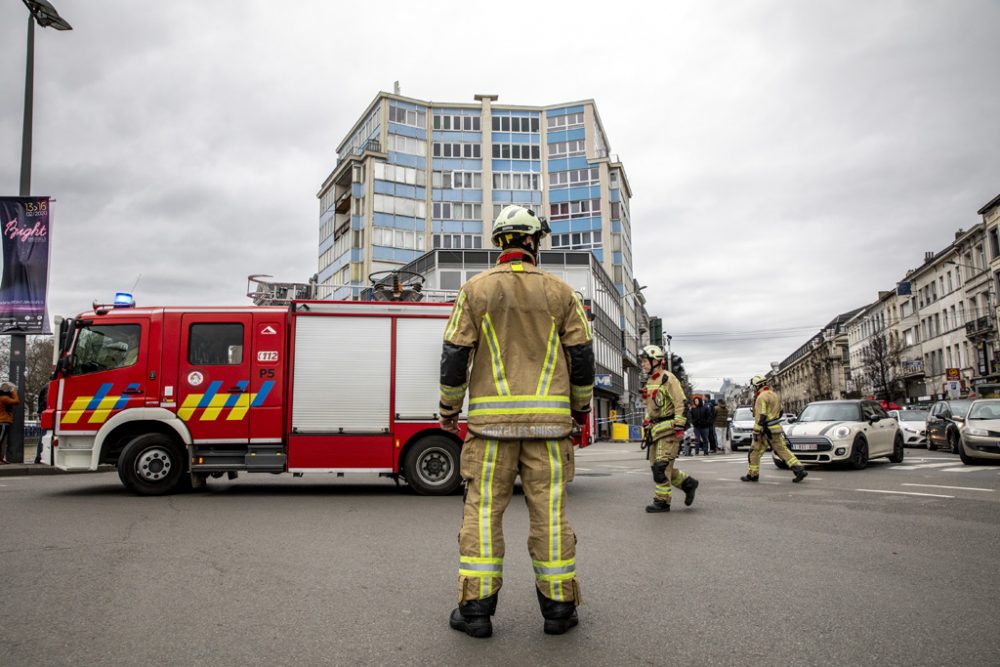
[{"x": 30, "y": 468}]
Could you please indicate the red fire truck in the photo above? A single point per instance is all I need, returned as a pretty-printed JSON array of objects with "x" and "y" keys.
[{"x": 172, "y": 396}]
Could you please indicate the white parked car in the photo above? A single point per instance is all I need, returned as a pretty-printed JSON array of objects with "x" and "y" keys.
[
  {"x": 741, "y": 428},
  {"x": 913, "y": 423},
  {"x": 852, "y": 432}
]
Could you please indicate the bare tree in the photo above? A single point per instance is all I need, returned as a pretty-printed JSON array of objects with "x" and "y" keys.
[
  {"x": 820, "y": 367},
  {"x": 881, "y": 360},
  {"x": 38, "y": 370}
]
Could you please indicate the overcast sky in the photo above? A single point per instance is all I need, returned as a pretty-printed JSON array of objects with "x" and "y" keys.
[{"x": 788, "y": 159}]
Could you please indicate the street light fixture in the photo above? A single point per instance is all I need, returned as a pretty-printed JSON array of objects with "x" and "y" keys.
[{"x": 46, "y": 15}]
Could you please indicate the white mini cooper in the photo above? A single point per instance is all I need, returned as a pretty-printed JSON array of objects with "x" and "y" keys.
[{"x": 844, "y": 431}]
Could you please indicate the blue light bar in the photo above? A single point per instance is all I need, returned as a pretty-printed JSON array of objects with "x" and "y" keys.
[{"x": 124, "y": 300}]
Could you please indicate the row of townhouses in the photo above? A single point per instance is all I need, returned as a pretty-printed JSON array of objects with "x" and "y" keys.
[{"x": 934, "y": 336}]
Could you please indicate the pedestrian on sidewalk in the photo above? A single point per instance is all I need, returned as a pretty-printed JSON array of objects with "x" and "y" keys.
[
  {"x": 8, "y": 400},
  {"x": 713, "y": 442},
  {"x": 722, "y": 424},
  {"x": 701, "y": 417},
  {"x": 43, "y": 399}
]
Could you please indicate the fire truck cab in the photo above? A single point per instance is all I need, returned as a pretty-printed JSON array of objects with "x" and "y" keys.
[{"x": 172, "y": 396}]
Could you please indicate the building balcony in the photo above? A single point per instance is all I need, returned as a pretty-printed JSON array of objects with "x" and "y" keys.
[
  {"x": 981, "y": 327},
  {"x": 912, "y": 368}
]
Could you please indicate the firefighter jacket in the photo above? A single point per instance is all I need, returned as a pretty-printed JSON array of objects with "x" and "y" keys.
[
  {"x": 766, "y": 412},
  {"x": 664, "y": 399},
  {"x": 530, "y": 346}
]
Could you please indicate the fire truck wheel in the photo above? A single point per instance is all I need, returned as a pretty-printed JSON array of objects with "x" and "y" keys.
[
  {"x": 151, "y": 465},
  {"x": 431, "y": 466}
]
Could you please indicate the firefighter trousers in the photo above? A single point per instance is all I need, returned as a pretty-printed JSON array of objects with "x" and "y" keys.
[
  {"x": 776, "y": 441},
  {"x": 489, "y": 468},
  {"x": 662, "y": 454}
]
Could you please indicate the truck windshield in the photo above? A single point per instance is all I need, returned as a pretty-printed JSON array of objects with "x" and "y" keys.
[{"x": 104, "y": 347}]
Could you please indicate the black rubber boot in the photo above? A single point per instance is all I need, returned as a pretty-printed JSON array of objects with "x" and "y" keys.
[
  {"x": 658, "y": 506},
  {"x": 473, "y": 617},
  {"x": 800, "y": 473},
  {"x": 688, "y": 486},
  {"x": 749, "y": 478},
  {"x": 559, "y": 616}
]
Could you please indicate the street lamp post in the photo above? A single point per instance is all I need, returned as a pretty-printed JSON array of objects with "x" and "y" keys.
[{"x": 46, "y": 15}]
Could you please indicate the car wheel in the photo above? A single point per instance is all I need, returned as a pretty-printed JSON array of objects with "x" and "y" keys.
[
  {"x": 953, "y": 442},
  {"x": 859, "y": 454},
  {"x": 432, "y": 467},
  {"x": 966, "y": 459},
  {"x": 930, "y": 444},
  {"x": 151, "y": 464},
  {"x": 897, "y": 450}
]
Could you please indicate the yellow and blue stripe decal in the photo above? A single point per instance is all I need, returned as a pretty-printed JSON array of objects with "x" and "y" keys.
[
  {"x": 101, "y": 404},
  {"x": 212, "y": 403}
]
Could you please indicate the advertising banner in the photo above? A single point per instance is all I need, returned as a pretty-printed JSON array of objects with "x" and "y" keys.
[{"x": 24, "y": 275}]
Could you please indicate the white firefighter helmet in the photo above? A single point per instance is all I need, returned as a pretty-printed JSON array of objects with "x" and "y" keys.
[
  {"x": 516, "y": 221},
  {"x": 652, "y": 352}
]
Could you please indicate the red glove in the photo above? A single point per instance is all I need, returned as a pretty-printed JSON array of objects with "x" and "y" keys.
[{"x": 679, "y": 433}]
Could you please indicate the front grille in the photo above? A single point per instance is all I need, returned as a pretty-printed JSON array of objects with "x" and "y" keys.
[{"x": 822, "y": 444}]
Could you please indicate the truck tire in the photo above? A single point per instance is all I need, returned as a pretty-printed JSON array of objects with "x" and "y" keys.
[
  {"x": 151, "y": 465},
  {"x": 432, "y": 467}
]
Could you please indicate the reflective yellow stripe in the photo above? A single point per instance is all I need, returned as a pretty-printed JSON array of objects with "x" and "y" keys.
[
  {"x": 555, "y": 511},
  {"x": 519, "y": 405},
  {"x": 499, "y": 376},
  {"x": 102, "y": 410},
  {"x": 485, "y": 513},
  {"x": 456, "y": 315},
  {"x": 188, "y": 406},
  {"x": 453, "y": 392},
  {"x": 545, "y": 377},
  {"x": 471, "y": 566},
  {"x": 240, "y": 409},
  {"x": 583, "y": 317},
  {"x": 211, "y": 413},
  {"x": 75, "y": 411}
]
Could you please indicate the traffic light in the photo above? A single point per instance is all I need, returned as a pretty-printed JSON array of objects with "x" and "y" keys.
[{"x": 655, "y": 331}]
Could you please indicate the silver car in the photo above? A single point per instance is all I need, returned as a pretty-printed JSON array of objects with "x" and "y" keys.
[
  {"x": 979, "y": 432},
  {"x": 913, "y": 423}
]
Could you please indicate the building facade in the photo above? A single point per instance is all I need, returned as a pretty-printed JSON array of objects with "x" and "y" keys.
[
  {"x": 413, "y": 176},
  {"x": 819, "y": 370}
]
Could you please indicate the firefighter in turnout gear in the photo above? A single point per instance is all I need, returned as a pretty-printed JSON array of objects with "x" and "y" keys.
[
  {"x": 767, "y": 432},
  {"x": 664, "y": 426},
  {"x": 531, "y": 377}
]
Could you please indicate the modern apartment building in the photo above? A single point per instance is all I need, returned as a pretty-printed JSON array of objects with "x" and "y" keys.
[{"x": 414, "y": 175}]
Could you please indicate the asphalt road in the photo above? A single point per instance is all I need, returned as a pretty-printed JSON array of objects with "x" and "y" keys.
[{"x": 893, "y": 565}]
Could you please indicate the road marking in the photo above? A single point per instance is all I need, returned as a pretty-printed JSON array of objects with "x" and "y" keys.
[
  {"x": 941, "y": 486},
  {"x": 921, "y": 466},
  {"x": 962, "y": 469},
  {"x": 904, "y": 493}
]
